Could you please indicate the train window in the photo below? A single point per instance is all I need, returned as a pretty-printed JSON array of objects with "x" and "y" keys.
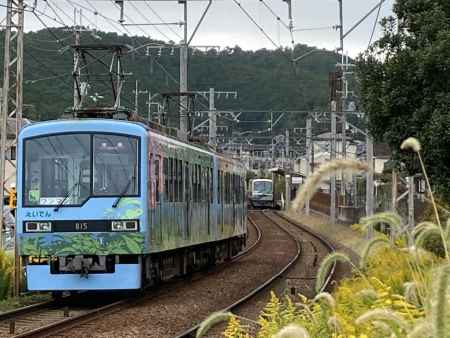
[
  {"x": 156, "y": 173},
  {"x": 115, "y": 165},
  {"x": 174, "y": 179},
  {"x": 180, "y": 180},
  {"x": 211, "y": 186},
  {"x": 200, "y": 183},
  {"x": 205, "y": 187},
  {"x": 194, "y": 182},
  {"x": 56, "y": 167},
  {"x": 186, "y": 182},
  {"x": 166, "y": 178}
]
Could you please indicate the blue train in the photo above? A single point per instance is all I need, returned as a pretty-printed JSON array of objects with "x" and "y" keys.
[{"x": 110, "y": 204}]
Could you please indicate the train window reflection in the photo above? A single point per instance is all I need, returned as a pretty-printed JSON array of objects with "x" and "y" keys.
[
  {"x": 262, "y": 187},
  {"x": 57, "y": 170},
  {"x": 115, "y": 165}
]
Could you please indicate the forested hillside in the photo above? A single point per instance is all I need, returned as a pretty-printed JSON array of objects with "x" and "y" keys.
[{"x": 264, "y": 79}]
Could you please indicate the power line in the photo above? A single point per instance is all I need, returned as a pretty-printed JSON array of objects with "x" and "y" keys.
[
  {"x": 374, "y": 26},
  {"x": 162, "y": 20},
  {"x": 255, "y": 23},
  {"x": 62, "y": 11},
  {"x": 108, "y": 20},
  {"x": 275, "y": 14},
  {"x": 146, "y": 19}
]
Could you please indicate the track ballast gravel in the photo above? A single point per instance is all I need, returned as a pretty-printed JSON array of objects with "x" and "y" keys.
[{"x": 182, "y": 304}]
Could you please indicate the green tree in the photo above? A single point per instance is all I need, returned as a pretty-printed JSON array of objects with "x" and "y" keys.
[{"x": 405, "y": 84}]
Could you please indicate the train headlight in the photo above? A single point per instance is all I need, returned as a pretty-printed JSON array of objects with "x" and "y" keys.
[
  {"x": 38, "y": 226},
  {"x": 124, "y": 225}
]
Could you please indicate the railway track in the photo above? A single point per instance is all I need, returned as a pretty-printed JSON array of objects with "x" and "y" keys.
[
  {"x": 158, "y": 307},
  {"x": 54, "y": 316},
  {"x": 301, "y": 270}
]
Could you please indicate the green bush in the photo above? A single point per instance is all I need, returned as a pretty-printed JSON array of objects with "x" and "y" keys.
[{"x": 6, "y": 271}]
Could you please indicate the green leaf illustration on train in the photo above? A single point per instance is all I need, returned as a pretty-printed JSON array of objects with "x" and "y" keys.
[
  {"x": 127, "y": 208},
  {"x": 74, "y": 244}
]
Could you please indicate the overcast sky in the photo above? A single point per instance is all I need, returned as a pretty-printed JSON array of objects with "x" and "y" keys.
[{"x": 225, "y": 23}]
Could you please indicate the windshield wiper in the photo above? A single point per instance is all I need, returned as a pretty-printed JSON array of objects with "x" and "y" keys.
[
  {"x": 122, "y": 194},
  {"x": 71, "y": 190}
]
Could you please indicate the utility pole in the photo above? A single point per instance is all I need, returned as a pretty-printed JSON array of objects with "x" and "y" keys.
[
  {"x": 286, "y": 144},
  {"x": 212, "y": 119},
  {"x": 184, "y": 49},
  {"x": 308, "y": 153},
  {"x": 394, "y": 190},
  {"x": 12, "y": 90},
  {"x": 76, "y": 60},
  {"x": 411, "y": 190},
  {"x": 333, "y": 176},
  {"x": 369, "y": 178}
]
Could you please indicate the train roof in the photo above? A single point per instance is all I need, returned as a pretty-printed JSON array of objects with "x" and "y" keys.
[{"x": 108, "y": 126}]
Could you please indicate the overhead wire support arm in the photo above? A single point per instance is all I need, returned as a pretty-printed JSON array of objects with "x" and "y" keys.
[
  {"x": 363, "y": 18},
  {"x": 199, "y": 22},
  {"x": 255, "y": 23}
]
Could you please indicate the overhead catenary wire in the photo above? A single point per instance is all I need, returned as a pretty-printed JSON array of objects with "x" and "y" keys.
[
  {"x": 255, "y": 23},
  {"x": 146, "y": 19},
  {"x": 107, "y": 19},
  {"x": 162, "y": 20},
  {"x": 374, "y": 26},
  {"x": 276, "y": 16}
]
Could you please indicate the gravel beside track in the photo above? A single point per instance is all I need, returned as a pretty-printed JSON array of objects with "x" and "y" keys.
[
  {"x": 182, "y": 304},
  {"x": 300, "y": 278}
]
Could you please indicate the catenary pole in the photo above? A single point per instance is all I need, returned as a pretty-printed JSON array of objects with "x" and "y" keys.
[
  {"x": 308, "y": 154},
  {"x": 184, "y": 74},
  {"x": 212, "y": 119}
]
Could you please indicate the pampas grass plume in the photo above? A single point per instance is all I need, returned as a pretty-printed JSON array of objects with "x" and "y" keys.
[
  {"x": 383, "y": 315},
  {"x": 422, "y": 329},
  {"x": 426, "y": 234},
  {"x": 292, "y": 331},
  {"x": 325, "y": 267},
  {"x": 382, "y": 327},
  {"x": 368, "y": 294},
  {"x": 411, "y": 143},
  {"x": 327, "y": 297},
  {"x": 440, "y": 307},
  {"x": 334, "y": 324},
  {"x": 211, "y": 321},
  {"x": 423, "y": 225},
  {"x": 367, "y": 250},
  {"x": 389, "y": 218},
  {"x": 312, "y": 182},
  {"x": 411, "y": 293}
]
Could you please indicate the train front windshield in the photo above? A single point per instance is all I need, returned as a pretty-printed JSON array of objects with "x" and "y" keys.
[
  {"x": 262, "y": 187},
  {"x": 70, "y": 168}
]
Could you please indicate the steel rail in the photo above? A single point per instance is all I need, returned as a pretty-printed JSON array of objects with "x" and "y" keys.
[
  {"x": 191, "y": 331},
  {"x": 70, "y": 322},
  {"x": 324, "y": 240}
]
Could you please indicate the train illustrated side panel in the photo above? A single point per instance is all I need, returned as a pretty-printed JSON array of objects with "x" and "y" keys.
[{"x": 188, "y": 201}]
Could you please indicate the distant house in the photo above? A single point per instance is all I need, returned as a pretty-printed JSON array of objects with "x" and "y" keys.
[
  {"x": 355, "y": 150},
  {"x": 382, "y": 154}
]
